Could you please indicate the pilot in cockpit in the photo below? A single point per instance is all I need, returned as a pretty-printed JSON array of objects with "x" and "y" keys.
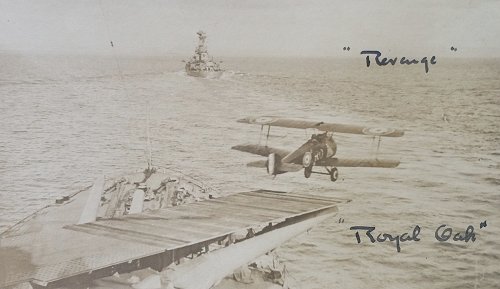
[{"x": 320, "y": 137}]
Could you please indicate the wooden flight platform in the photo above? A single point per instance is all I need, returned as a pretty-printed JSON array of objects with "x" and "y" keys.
[{"x": 60, "y": 251}]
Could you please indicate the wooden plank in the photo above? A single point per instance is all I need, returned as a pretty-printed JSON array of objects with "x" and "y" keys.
[
  {"x": 91, "y": 230},
  {"x": 281, "y": 197},
  {"x": 98, "y": 260},
  {"x": 224, "y": 208},
  {"x": 200, "y": 228},
  {"x": 229, "y": 223},
  {"x": 145, "y": 230},
  {"x": 234, "y": 210},
  {"x": 249, "y": 199},
  {"x": 238, "y": 209},
  {"x": 287, "y": 205},
  {"x": 96, "y": 246},
  {"x": 115, "y": 233},
  {"x": 312, "y": 199},
  {"x": 245, "y": 217},
  {"x": 284, "y": 207},
  {"x": 173, "y": 213},
  {"x": 197, "y": 224}
]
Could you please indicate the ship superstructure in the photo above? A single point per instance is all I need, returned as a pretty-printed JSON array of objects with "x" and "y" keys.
[{"x": 201, "y": 64}]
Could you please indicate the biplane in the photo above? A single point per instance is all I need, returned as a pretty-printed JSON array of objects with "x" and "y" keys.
[{"x": 318, "y": 151}]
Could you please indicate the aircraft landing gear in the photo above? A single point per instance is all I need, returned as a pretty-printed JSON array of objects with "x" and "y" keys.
[
  {"x": 307, "y": 159},
  {"x": 308, "y": 163},
  {"x": 308, "y": 171},
  {"x": 334, "y": 174}
]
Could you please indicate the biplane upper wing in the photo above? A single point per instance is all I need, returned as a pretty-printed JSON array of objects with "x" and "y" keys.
[
  {"x": 376, "y": 163},
  {"x": 333, "y": 127}
]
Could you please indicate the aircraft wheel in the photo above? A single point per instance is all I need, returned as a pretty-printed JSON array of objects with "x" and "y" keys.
[
  {"x": 308, "y": 171},
  {"x": 307, "y": 160},
  {"x": 334, "y": 174}
]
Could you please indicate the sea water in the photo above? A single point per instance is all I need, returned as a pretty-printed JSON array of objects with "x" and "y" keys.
[{"x": 65, "y": 120}]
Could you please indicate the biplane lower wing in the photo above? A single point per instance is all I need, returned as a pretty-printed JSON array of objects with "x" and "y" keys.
[
  {"x": 333, "y": 162},
  {"x": 291, "y": 161},
  {"x": 260, "y": 150},
  {"x": 371, "y": 163}
]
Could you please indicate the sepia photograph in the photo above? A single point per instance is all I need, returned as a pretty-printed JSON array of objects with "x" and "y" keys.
[{"x": 234, "y": 144}]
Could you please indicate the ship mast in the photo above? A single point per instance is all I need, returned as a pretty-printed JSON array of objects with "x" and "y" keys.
[
  {"x": 150, "y": 157},
  {"x": 201, "y": 50}
]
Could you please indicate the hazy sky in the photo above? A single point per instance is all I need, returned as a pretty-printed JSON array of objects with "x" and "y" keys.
[{"x": 251, "y": 28}]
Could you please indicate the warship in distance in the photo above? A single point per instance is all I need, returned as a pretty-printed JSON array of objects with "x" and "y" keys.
[{"x": 201, "y": 64}]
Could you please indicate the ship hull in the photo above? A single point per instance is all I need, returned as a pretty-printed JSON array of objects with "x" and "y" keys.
[
  {"x": 205, "y": 74},
  {"x": 47, "y": 249}
]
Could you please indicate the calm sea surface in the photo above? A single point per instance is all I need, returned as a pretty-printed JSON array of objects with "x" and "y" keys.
[{"x": 66, "y": 120}]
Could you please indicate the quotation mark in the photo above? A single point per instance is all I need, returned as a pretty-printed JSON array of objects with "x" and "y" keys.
[
  {"x": 346, "y": 48},
  {"x": 341, "y": 220},
  {"x": 482, "y": 224},
  {"x": 453, "y": 48}
]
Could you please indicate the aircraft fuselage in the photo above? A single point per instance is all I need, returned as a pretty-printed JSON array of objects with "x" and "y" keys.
[{"x": 324, "y": 146}]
